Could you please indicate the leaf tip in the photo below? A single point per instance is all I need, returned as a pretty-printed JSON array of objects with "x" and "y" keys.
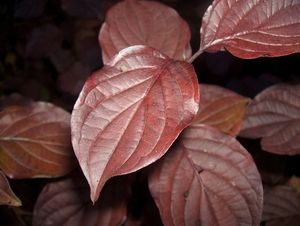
[
  {"x": 16, "y": 202},
  {"x": 95, "y": 190}
]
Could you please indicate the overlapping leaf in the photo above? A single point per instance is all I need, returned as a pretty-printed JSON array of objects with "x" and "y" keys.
[
  {"x": 35, "y": 141},
  {"x": 250, "y": 29},
  {"x": 281, "y": 206},
  {"x": 274, "y": 115},
  {"x": 221, "y": 108},
  {"x": 207, "y": 178},
  {"x": 67, "y": 203},
  {"x": 7, "y": 196},
  {"x": 133, "y": 22},
  {"x": 130, "y": 112}
]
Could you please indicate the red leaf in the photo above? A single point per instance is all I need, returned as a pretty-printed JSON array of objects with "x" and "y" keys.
[
  {"x": 274, "y": 115},
  {"x": 67, "y": 203},
  {"x": 130, "y": 112},
  {"x": 252, "y": 29},
  {"x": 7, "y": 197},
  {"x": 35, "y": 141},
  {"x": 208, "y": 178},
  {"x": 281, "y": 206},
  {"x": 148, "y": 23},
  {"x": 221, "y": 108}
]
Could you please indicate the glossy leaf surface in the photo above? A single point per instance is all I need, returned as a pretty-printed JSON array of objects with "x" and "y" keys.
[
  {"x": 148, "y": 23},
  {"x": 35, "y": 141},
  {"x": 221, "y": 108},
  {"x": 7, "y": 196},
  {"x": 67, "y": 203},
  {"x": 274, "y": 116},
  {"x": 250, "y": 29},
  {"x": 281, "y": 206},
  {"x": 207, "y": 178},
  {"x": 130, "y": 112}
]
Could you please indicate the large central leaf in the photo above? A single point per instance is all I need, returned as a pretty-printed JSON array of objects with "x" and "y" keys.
[{"x": 130, "y": 112}]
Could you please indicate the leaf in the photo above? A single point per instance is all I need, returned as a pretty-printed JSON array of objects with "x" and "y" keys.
[
  {"x": 274, "y": 116},
  {"x": 83, "y": 8},
  {"x": 67, "y": 203},
  {"x": 7, "y": 196},
  {"x": 281, "y": 206},
  {"x": 221, "y": 108},
  {"x": 133, "y": 22},
  {"x": 35, "y": 141},
  {"x": 43, "y": 41},
  {"x": 207, "y": 178},
  {"x": 252, "y": 29},
  {"x": 130, "y": 112},
  {"x": 28, "y": 9}
]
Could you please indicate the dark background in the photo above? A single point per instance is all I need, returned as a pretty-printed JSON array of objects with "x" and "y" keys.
[{"x": 49, "y": 47}]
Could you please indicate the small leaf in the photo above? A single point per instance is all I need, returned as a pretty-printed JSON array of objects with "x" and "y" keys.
[
  {"x": 250, "y": 29},
  {"x": 130, "y": 112},
  {"x": 274, "y": 116},
  {"x": 207, "y": 178},
  {"x": 67, "y": 203},
  {"x": 221, "y": 108},
  {"x": 150, "y": 23},
  {"x": 281, "y": 206},
  {"x": 35, "y": 141},
  {"x": 7, "y": 197}
]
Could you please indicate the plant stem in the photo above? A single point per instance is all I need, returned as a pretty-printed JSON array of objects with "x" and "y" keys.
[{"x": 198, "y": 53}]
